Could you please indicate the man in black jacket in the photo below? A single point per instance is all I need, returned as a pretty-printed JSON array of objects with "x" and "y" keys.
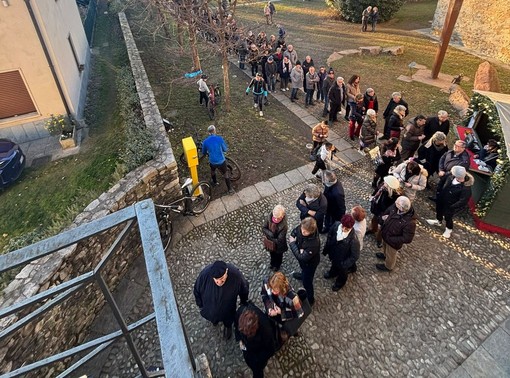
[
  {"x": 326, "y": 86},
  {"x": 436, "y": 123},
  {"x": 216, "y": 290},
  {"x": 337, "y": 96},
  {"x": 453, "y": 193},
  {"x": 334, "y": 193},
  {"x": 343, "y": 249},
  {"x": 305, "y": 244},
  {"x": 398, "y": 228}
]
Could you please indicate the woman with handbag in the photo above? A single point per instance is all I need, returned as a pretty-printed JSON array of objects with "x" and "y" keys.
[{"x": 275, "y": 236}]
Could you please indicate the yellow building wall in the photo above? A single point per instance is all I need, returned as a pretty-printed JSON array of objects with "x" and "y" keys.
[{"x": 21, "y": 50}]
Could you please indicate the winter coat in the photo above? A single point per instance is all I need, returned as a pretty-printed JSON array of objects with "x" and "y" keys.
[
  {"x": 296, "y": 77},
  {"x": 265, "y": 343},
  {"x": 398, "y": 229},
  {"x": 290, "y": 304},
  {"x": 320, "y": 133},
  {"x": 271, "y": 69},
  {"x": 382, "y": 200},
  {"x": 418, "y": 182},
  {"x": 410, "y": 140},
  {"x": 285, "y": 69},
  {"x": 432, "y": 125},
  {"x": 337, "y": 95},
  {"x": 343, "y": 253},
  {"x": 276, "y": 232},
  {"x": 368, "y": 131},
  {"x": 328, "y": 83},
  {"x": 395, "y": 123},
  {"x": 388, "y": 161},
  {"x": 371, "y": 102},
  {"x": 306, "y": 249},
  {"x": 306, "y": 66},
  {"x": 429, "y": 157},
  {"x": 335, "y": 196},
  {"x": 311, "y": 80},
  {"x": 292, "y": 55},
  {"x": 357, "y": 112},
  {"x": 449, "y": 160},
  {"x": 320, "y": 206},
  {"x": 453, "y": 198},
  {"x": 391, "y": 107},
  {"x": 218, "y": 303},
  {"x": 258, "y": 86},
  {"x": 352, "y": 92}
]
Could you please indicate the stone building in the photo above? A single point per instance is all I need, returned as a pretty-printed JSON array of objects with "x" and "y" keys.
[{"x": 483, "y": 27}]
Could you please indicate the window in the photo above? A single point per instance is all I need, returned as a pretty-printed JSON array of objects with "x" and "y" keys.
[
  {"x": 78, "y": 64},
  {"x": 14, "y": 97}
]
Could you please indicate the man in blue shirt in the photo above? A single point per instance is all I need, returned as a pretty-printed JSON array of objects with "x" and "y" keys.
[{"x": 215, "y": 147}]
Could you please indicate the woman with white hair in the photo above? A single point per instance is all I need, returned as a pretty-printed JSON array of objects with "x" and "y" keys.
[
  {"x": 368, "y": 130},
  {"x": 430, "y": 153},
  {"x": 275, "y": 236},
  {"x": 312, "y": 203},
  {"x": 396, "y": 99},
  {"x": 398, "y": 228},
  {"x": 396, "y": 121}
]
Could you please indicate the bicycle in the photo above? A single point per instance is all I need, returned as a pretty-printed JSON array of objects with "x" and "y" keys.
[
  {"x": 214, "y": 99},
  {"x": 232, "y": 166},
  {"x": 194, "y": 201}
]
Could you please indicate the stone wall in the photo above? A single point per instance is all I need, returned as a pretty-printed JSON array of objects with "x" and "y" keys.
[
  {"x": 483, "y": 27},
  {"x": 67, "y": 324}
]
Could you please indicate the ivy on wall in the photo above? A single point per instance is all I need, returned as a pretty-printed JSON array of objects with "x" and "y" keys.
[{"x": 481, "y": 103}]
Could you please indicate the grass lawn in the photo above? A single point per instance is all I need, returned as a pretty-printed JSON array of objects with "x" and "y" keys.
[{"x": 47, "y": 198}]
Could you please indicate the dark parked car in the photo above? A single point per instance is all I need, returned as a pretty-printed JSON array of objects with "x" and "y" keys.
[{"x": 12, "y": 162}]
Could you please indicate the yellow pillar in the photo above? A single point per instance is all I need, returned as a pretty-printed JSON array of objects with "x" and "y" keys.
[{"x": 191, "y": 154}]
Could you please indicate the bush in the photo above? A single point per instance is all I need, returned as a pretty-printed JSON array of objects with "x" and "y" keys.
[
  {"x": 351, "y": 10},
  {"x": 140, "y": 146}
]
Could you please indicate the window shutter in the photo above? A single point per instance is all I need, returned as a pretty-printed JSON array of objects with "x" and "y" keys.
[{"x": 14, "y": 97}]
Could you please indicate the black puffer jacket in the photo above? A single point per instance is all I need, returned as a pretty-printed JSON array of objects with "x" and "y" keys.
[
  {"x": 279, "y": 236},
  {"x": 306, "y": 249},
  {"x": 342, "y": 253},
  {"x": 453, "y": 198},
  {"x": 398, "y": 229}
]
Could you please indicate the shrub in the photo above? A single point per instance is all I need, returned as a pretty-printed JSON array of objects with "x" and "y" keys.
[
  {"x": 140, "y": 146},
  {"x": 351, "y": 10}
]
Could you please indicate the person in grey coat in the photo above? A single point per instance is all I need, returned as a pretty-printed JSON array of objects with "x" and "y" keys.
[
  {"x": 296, "y": 80},
  {"x": 311, "y": 80}
]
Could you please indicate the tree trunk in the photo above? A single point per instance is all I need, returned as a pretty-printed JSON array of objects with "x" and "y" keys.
[
  {"x": 226, "y": 77},
  {"x": 193, "y": 46}
]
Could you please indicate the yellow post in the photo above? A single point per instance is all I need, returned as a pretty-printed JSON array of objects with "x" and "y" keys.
[{"x": 191, "y": 154}]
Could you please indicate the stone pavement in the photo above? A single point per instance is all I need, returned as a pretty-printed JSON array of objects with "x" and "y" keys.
[
  {"x": 442, "y": 312},
  {"x": 424, "y": 319}
]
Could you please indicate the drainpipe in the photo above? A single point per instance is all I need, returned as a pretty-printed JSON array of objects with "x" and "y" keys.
[{"x": 47, "y": 55}]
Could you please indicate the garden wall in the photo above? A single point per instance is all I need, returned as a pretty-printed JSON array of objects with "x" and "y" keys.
[
  {"x": 483, "y": 27},
  {"x": 67, "y": 324}
]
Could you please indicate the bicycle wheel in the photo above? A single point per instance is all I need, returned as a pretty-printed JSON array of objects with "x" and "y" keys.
[
  {"x": 165, "y": 228},
  {"x": 200, "y": 200},
  {"x": 235, "y": 171}
]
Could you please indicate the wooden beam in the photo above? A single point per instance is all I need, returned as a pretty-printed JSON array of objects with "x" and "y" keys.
[{"x": 446, "y": 34}]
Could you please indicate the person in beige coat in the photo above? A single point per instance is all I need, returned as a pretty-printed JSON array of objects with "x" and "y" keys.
[{"x": 412, "y": 177}]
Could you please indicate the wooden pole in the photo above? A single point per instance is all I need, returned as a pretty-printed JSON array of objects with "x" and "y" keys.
[{"x": 446, "y": 34}]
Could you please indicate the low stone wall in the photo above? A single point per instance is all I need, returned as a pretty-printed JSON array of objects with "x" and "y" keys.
[
  {"x": 480, "y": 26},
  {"x": 67, "y": 324}
]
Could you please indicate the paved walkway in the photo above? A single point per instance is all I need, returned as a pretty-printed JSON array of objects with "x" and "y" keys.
[{"x": 442, "y": 312}]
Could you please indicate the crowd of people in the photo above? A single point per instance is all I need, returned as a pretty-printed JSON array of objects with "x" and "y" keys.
[{"x": 409, "y": 152}]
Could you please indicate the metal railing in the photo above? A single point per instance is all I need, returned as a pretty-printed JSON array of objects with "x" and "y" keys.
[{"x": 175, "y": 349}]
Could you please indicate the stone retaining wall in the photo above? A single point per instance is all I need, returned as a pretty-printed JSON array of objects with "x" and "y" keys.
[
  {"x": 483, "y": 27},
  {"x": 67, "y": 324}
]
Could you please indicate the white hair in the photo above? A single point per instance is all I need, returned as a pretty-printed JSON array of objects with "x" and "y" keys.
[
  {"x": 442, "y": 113},
  {"x": 396, "y": 94},
  {"x": 339, "y": 78}
]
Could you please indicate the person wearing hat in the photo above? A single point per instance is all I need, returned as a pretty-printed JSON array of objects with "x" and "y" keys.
[
  {"x": 215, "y": 147},
  {"x": 203, "y": 90},
  {"x": 329, "y": 80},
  {"x": 382, "y": 198},
  {"x": 259, "y": 88},
  {"x": 216, "y": 290},
  {"x": 271, "y": 70},
  {"x": 453, "y": 193},
  {"x": 296, "y": 80},
  {"x": 398, "y": 228}
]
